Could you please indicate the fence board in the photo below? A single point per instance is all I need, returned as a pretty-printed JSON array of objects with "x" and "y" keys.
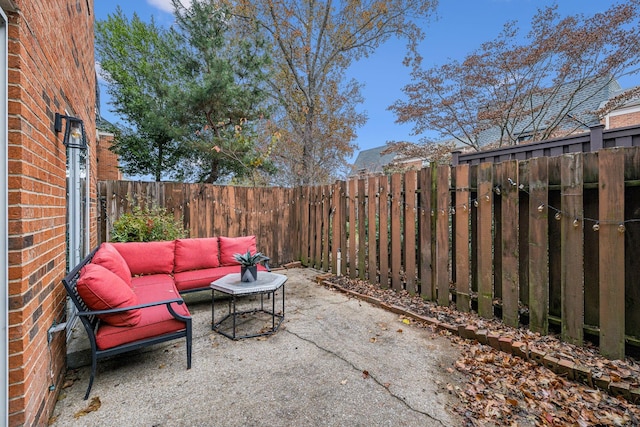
[
  {"x": 463, "y": 286},
  {"x": 353, "y": 201},
  {"x": 427, "y": 290},
  {"x": 383, "y": 209},
  {"x": 484, "y": 252},
  {"x": 538, "y": 246},
  {"x": 306, "y": 230},
  {"x": 508, "y": 181},
  {"x": 442, "y": 235},
  {"x": 396, "y": 247},
  {"x": 362, "y": 229},
  {"x": 317, "y": 229},
  {"x": 338, "y": 226},
  {"x": 612, "y": 239},
  {"x": 523, "y": 232},
  {"x": 410, "y": 186},
  {"x": 326, "y": 210},
  {"x": 372, "y": 216},
  {"x": 571, "y": 230}
]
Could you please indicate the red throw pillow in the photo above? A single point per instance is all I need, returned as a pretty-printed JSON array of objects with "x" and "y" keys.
[
  {"x": 108, "y": 257},
  {"x": 103, "y": 290},
  {"x": 196, "y": 254},
  {"x": 148, "y": 257},
  {"x": 235, "y": 245}
]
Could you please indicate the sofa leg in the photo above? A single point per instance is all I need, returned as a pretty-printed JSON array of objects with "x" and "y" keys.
[
  {"x": 189, "y": 344},
  {"x": 94, "y": 363}
]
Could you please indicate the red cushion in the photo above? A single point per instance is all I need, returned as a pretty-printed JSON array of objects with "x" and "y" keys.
[
  {"x": 235, "y": 245},
  {"x": 200, "y": 279},
  {"x": 151, "y": 280},
  {"x": 103, "y": 290},
  {"x": 155, "y": 321},
  {"x": 108, "y": 257},
  {"x": 194, "y": 254},
  {"x": 148, "y": 257}
]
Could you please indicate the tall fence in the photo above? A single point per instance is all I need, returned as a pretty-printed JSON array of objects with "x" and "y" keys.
[{"x": 549, "y": 242}]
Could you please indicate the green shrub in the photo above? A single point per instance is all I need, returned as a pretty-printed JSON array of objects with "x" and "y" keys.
[{"x": 147, "y": 225}]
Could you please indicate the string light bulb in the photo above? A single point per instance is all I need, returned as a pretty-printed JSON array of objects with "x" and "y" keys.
[
  {"x": 497, "y": 190},
  {"x": 475, "y": 203},
  {"x": 576, "y": 223},
  {"x": 558, "y": 215},
  {"x": 487, "y": 198},
  {"x": 621, "y": 228},
  {"x": 596, "y": 226},
  {"x": 541, "y": 207}
]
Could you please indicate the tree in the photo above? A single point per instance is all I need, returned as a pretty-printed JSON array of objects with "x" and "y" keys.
[
  {"x": 314, "y": 42},
  {"x": 221, "y": 89},
  {"x": 509, "y": 90},
  {"x": 191, "y": 94},
  {"x": 136, "y": 61}
]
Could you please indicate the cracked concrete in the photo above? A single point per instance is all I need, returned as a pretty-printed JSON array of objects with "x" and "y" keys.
[{"x": 335, "y": 361}]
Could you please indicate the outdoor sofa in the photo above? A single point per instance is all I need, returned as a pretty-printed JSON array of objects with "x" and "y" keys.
[{"x": 128, "y": 294}]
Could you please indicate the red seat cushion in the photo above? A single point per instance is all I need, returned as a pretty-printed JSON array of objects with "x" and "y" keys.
[
  {"x": 108, "y": 257},
  {"x": 103, "y": 290},
  {"x": 197, "y": 279},
  {"x": 195, "y": 254},
  {"x": 235, "y": 245},
  {"x": 151, "y": 280},
  {"x": 148, "y": 257},
  {"x": 154, "y": 321}
]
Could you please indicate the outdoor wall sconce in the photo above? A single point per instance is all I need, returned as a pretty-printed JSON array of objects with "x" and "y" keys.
[{"x": 73, "y": 132}]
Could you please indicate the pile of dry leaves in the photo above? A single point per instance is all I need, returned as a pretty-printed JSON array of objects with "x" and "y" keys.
[{"x": 503, "y": 389}]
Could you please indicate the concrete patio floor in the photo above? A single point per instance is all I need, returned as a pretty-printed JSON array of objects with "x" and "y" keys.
[{"x": 336, "y": 361}]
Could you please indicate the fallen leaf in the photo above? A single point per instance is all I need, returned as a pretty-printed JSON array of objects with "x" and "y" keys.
[
  {"x": 373, "y": 339},
  {"x": 406, "y": 321},
  {"x": 399, "y": 331},
  {"x": 343, "y": 382},
  {"x": 365, "y": 374},
  {"x": 93, "y": 406}
]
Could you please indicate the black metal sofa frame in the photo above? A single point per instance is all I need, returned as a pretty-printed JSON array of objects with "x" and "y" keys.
[{"x": 91, "y": 321}]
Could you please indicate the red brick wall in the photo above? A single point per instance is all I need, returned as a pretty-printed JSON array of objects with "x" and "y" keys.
[
  {"x": 622, "y": 120},
  {"x": 51, "y": 69},
  {"x": 107, "y": 160}
]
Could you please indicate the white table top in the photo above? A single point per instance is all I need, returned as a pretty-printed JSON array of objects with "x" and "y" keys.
[{"x": 266, "y": 282}]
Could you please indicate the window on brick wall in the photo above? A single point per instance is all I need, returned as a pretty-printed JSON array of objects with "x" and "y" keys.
[{"x": 77, "y": 234}]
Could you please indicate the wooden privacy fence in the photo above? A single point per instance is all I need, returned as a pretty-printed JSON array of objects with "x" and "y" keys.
[
  {"x": 549, "y": 242},
  {"x": 211, "y": 210}
]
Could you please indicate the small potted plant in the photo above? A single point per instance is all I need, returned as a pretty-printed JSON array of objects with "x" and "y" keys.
[{"x": 249, "y": 265}]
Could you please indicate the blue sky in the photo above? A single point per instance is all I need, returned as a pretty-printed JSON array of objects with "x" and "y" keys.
[{"x": 460, "y": 27}]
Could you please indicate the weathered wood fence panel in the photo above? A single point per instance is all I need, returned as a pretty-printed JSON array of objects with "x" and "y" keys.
[
  {"x": 549, "y": 243},
  {"x": 612, "y": 228}
]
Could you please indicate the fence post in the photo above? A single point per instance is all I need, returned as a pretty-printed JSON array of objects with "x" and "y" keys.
[{"x": 596, "y": 138}]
